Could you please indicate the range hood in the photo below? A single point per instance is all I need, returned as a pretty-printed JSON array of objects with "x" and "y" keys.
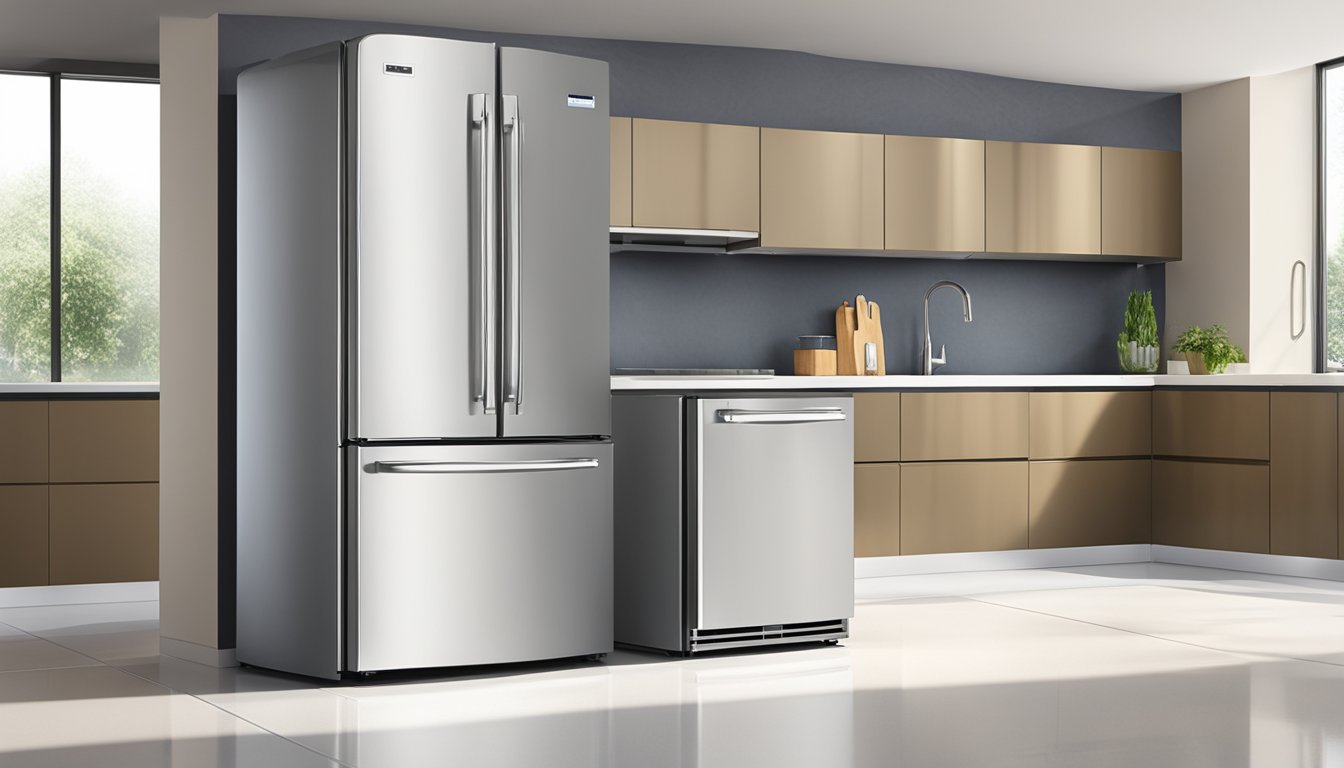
[{"x": 662, "y": 238}]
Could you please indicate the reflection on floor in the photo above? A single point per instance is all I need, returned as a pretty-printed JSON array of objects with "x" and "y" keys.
[{"x": 1128, "y": 665}]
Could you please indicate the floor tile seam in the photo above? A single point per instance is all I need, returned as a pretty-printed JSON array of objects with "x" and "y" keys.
[
  {"x": 52, "y": 669},
  {"x": 4, "y": 608},
  {"x": 62, "y": 646},
  {"x": 1187, "y": 643}
]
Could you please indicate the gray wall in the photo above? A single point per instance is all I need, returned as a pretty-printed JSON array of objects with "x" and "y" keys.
[{"x": 742, "y": 311}]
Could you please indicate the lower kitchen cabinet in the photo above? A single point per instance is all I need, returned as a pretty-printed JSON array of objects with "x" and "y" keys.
[
  {"x": 104, "y": 533},
  {"x": 23, "y": 451},
  {"x": 1090, "y": 503},
  {"x": 877, "y": 426},
  {"x": 1303, "y": 474},
  {"x": 963, "y": 507},
  {"x": 1211, "y": 505},
  {"x": 23, "y": 535},
  {"x": 877, "y": 519}
]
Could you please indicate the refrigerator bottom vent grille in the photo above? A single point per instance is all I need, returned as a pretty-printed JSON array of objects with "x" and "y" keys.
[{"x": 768, "y": 634}]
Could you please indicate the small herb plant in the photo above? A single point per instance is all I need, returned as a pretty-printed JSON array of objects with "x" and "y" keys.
[
  {"x": 1212, "y": 342},
  {"x": 1138, "y": 344}
]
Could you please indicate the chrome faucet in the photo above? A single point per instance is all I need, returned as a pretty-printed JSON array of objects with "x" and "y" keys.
[{"x": 926, "y": 359}]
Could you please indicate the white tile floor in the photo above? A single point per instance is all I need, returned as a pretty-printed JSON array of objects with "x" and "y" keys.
[{"x": 1128, "y": 665}]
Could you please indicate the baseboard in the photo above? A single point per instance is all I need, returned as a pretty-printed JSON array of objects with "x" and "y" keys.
[
  {"x": 76, "y": 594},
  {"x": 1015, "y": 559},
  {"x": 201, "y": 654},
  {"x": 1278, "y": 565}
]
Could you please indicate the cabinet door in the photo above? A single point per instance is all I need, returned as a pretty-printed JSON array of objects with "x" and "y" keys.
[
  {"x": 937, "y": 426},
  {"x": 1090, "y": 503},
  {"x": 1211, "y": 505},
  {"x": 1140, "y": 203},
  {"x": 935, "y": 194},
  {"x": 877, "y": 426},
  {"x": 23, "y": 451},
  {"x": 821, "y": 190},
  {"x": 1066, "y": 425},
  {"x": 104, "y": 533},
  {"x": 1303, "y": 474},
  {"x": 877, "y": 508},
  {"x": 963, "y": 507},
  {"x": 620, "y": 171},
  {"x": 1042, "y": 198},
  {"x": 1211, "y": 425},
  {"x": 696, "y": 175},
  {"x": 98, "y": 441},
  {"x": 23, "y": 535}
]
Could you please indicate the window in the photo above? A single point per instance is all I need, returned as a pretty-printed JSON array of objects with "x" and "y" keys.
[
  {"x": 1331, "y": 235},
  {"x": 100, "y": 249}
]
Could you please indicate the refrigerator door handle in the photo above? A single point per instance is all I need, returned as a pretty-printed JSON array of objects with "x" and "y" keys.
[
  {"x": 480, "y": 467},
  {"x": 512, "y": 127},
  {"x": 798, "y": 416},
  {"x": 484, "y": 320}
]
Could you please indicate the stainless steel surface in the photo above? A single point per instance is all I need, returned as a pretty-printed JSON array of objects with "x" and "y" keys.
[
  {"x": 676, "y": 236},
  {"x": 411, "y": 264},
  {"x": 870, "y": 357},
  {"x": 1297, "y": 312},
  {"x": 480, "y": 467},
  {"x": 483, "y": 314},
  {"x": 785, "y": 416},
  {"x": 510, "y": 161},
  {"x": 561, "y": 280},
  {"x": 457, "y": 569},
  {"x": 289, "y": 363},
  {"x": 926, "y": 359},
  {"x": 773, "y": 508}
]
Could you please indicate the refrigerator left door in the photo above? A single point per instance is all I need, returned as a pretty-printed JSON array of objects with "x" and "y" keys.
[
  {"x": 422, "y": 144},
  {"x": 479, "y": 554}
]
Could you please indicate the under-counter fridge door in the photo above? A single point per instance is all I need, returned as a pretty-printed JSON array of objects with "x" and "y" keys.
[
  {"x": 465, "y": 555},
  {"x": 421, "y": 261},
  {"x": 773, "y": 511},
  {"x": 554, "y": 213}
]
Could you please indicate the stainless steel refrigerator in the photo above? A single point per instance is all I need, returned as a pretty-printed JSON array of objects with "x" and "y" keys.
[{"x": 423, "y": 411}]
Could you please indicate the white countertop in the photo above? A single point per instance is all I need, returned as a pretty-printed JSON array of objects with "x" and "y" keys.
[
  {"x": 78, "y": 388},
  {"x": 1101, "y": 381}
]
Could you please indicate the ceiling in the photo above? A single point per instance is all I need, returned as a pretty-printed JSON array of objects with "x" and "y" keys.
[{"x": 1162, "y": 45}]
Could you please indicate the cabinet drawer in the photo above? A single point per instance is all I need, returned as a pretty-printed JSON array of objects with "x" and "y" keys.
[
  {"x": 99, "y": 441},
  {"x": 620, "y": 172},
  {"x": 1211, "y": 505},
  {"x": 963, "y": 507},
  {"x": 1067, "y": 425},
  {"x": 877, "y": 426},
  {"x": 23, "y": 451},
  {"x": 877, "y": 507},
  {"x": 696, "y": 175},
  {"x": 1211, "y": 425},
  {"x": 104, "y": 533},
  {"x": 821, "y": 190},
  {"x": 963, "y": 425},
  {"x": 23, "y": 535},
  {"x": 1303, "y": 474},
  {"x": 1090, "y": 503}
]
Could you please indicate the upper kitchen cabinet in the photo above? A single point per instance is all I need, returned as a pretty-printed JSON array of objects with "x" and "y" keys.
[
  {"x": 695, "y": 175},
  {"x": 821, "y": 190},
  {"x": 620, "y": 171},
  {"x": 935, "y": 194},
  {"x": 1042, "y": 198},
  {"x": 1141, "y": 203}
]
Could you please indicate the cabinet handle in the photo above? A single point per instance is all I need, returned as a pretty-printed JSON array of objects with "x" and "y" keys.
[
  {"x": 800, "y": 416},
  {"x": 1297, "y": 311},
  {"x": 478, "y": 467}
]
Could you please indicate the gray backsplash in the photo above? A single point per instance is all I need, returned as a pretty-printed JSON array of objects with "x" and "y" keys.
[{"x": 696, "y": 310}]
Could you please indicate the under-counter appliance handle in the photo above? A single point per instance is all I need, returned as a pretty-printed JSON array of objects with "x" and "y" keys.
[
  {"x": 1297, "y": 311},
  {"x": 796, "y": 416},
  {"x": 479, "y": 467},
  {"x": 512, "y": 126},
  {"x": 484, "y": 319}
]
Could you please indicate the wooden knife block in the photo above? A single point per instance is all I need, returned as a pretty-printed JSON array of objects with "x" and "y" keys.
[{"x": 856, "y": 327}]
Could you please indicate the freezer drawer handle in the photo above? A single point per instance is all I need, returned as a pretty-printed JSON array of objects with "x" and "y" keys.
[
  {"x": 478, "y": 467},
  {"x": 799, "y": 416}
]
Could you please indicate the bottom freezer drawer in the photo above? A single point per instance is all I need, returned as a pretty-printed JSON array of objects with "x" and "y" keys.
[{"x": 465, "y": 555}]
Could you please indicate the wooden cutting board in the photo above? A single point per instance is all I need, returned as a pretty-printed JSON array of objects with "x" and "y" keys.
[
  {"x": 846, "y": 323},
  {"x": 855, "y": 327}
]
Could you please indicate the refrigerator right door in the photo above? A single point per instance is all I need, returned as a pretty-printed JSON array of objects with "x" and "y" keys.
[
  {"x": 555, "y": 187},
  {"x": 421, "y": 263}
]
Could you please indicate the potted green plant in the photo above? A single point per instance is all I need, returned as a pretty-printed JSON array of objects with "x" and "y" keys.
[
  {"x": 1208, "y": 350},
  {"x": 1138, "y": 345}
]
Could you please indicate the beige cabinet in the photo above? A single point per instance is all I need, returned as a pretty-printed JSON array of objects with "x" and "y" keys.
[
  {"x": 104, "y": 533},
  {"x": 1211, "y": 505},
  {"x": 877, "y": 506},
  {"x": 1090, "y": 503},
  {"x": 963, "y": 507},
  {"x": 23, "y": 449},
  {"x": 1042, "y": 198},
  {"x": 695, "y": 175},
  {"x": 821, "y": 190},
  {"x": 1140, "y": 203},
  {"x": 935, "y": 194},
  {"x": 93, "y": 441},
  {"x": 1303, "y": 474},
  {"x": 1067, "y": 425},
  {"x": 621, "y": 177},
  {"x": 940, "y": 426},
  {"x": 877, "y": 426},
  {"x": 1211, "y": 424},
  {"x": 23, "y": 535}
]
